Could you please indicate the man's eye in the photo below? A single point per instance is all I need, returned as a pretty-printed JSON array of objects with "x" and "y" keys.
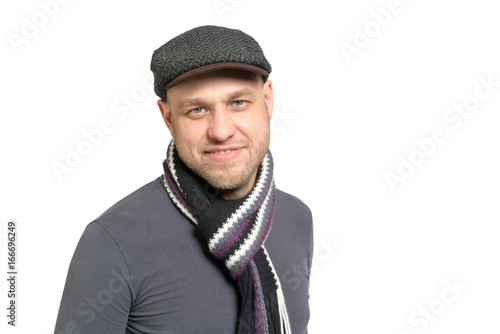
[
  {"x": 238, "y": 103},
  {"x": 198, "y": 110}
]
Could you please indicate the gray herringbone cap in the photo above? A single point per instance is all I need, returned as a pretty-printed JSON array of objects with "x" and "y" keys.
[{"x": 203, "y": 49}]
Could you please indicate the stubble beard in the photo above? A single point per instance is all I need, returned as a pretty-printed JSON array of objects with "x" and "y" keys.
[{"x": 230, "y": 175}]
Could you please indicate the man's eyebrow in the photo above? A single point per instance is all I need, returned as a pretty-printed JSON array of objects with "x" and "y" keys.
[
  {"x": 189, "y": 102},
  {"x": 239, "y": 93},
  {"x": 230, "y": 96}
]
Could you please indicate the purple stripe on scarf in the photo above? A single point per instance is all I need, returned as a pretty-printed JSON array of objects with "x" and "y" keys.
[
  {"x": 261, "y": 326},
  {"x": 235, "y": 236},
  {"x": 236, "y": 272}
]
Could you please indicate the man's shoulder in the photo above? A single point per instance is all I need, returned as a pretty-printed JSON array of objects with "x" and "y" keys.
[
  {"x": 144, "y": 220},
  {"x": 291, "y": 203},
  {"x": 291, "y": 215},
  {"x": 144, "y": 204},
  {"x": 147, "y": 195}
]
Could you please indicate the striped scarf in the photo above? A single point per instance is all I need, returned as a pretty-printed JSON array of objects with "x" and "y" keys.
[{"x": 235, "y": 232}]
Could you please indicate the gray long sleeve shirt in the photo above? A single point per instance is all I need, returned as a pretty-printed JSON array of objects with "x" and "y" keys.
[{"x": 140, "y": 268}]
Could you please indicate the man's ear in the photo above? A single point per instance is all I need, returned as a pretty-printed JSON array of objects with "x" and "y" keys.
[
  {"x": 267, "y": 90},
  {"x": 166, "y": 114}
]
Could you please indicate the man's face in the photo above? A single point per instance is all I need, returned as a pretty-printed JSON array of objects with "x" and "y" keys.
[{"x": 220, "y": 122}]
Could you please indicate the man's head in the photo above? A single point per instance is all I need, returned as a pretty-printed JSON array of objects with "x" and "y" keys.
[{"x": 217, "y": 112}]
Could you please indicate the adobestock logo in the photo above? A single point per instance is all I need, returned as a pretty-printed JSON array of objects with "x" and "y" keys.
[
  {"x": 380, "y": 19},
  {"x": 421, "y": 319},
  {"x": 453, "y": 117},
  {"x": 121, "y": 108},
  {"x": 324, "y": 250},
  {"x": 93, "y": 305},
  {"x": 30, "y": 27},
  {"x": 223, "y": 6},
  {"x": 281, "y": 119}
]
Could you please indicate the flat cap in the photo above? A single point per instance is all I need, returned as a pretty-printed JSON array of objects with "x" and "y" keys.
[{"x": 204, "y": 49}]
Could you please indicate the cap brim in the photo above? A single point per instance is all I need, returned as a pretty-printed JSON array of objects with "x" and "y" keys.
[{"x": 216, "y": 66}]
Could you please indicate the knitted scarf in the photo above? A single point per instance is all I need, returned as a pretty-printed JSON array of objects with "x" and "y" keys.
[{"x": 235, "y": 231}]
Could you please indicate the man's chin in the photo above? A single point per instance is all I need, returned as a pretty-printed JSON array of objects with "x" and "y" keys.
[{"x": 228, "y": 183}]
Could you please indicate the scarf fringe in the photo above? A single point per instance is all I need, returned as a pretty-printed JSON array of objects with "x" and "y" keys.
[
  {"x": 285, "y": 327},
  {"x": 284, "y": 321}
]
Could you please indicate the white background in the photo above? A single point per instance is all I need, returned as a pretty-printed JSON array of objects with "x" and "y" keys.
[{"x": 382, "y": 255}]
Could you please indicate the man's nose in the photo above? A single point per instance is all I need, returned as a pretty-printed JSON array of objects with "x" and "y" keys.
[{"x": 222, "y": 125}]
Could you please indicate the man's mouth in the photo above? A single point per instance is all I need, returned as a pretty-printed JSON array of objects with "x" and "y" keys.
[{"x": 222, "y": 152}]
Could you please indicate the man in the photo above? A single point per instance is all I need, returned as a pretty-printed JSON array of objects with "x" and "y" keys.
[{"x": 211, "y": 246}]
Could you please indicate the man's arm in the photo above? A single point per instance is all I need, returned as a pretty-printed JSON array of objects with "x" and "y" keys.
[{"x": 98, "y": 291}]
